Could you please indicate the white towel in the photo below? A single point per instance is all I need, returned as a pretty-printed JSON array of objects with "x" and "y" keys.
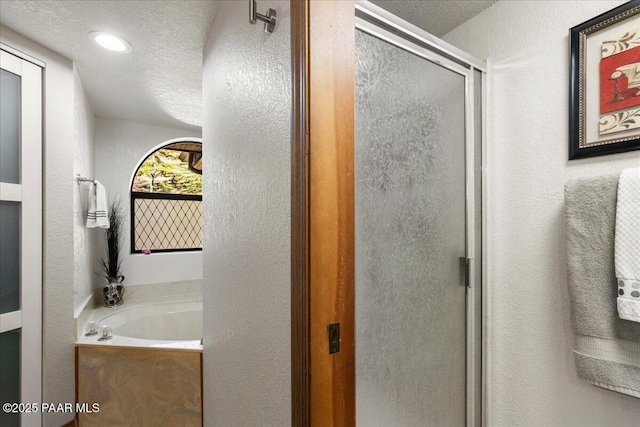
[
  {"x": 97, "y": 216},
  {"x": 627, "y": 245}
]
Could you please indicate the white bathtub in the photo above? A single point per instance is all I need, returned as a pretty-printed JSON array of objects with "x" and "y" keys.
[
  {"x": 155, "y": 342},
  {"x": 176, "y": 321},
  {"x": 164, "y": 324}
]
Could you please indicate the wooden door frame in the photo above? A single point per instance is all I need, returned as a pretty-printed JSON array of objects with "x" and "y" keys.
[
  {"x": 300, "y": 357},
  {"x": 322, "y": 208}
]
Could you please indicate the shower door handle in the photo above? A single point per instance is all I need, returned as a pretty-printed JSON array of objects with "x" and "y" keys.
[{"x": 467, "y": 272}]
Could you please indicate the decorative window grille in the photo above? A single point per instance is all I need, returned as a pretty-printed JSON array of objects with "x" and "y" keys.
[
  {"x": 166, "y": 222},
  {"x": 166, "y": 215}
]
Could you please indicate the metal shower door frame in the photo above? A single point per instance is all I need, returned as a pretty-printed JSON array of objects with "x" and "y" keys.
[{"x": 381, "y": 24}]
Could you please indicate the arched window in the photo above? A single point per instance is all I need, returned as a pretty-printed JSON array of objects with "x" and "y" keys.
[{"x": 166, "y": 199}]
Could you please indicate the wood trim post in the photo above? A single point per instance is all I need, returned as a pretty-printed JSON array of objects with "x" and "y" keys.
[
  {"x": 323, "y": 57},
  {"x": 300, "y": 318}
]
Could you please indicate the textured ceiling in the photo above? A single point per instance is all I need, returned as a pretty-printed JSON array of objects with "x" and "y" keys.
[
  {"x": 436, "y": 17},
  {"x": 160, "y": 82}
]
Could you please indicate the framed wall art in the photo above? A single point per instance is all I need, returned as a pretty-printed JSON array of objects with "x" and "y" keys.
[{"x": 604, "y": 94}]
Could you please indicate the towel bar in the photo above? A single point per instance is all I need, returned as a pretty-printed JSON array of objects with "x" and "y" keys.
[{"x": 84, "y": 179}]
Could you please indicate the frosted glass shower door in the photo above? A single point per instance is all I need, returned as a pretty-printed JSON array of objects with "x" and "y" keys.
[{"x": 410, "y": 236}]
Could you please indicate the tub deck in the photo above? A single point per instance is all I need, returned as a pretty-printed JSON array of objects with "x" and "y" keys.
[
  {"x": 139, "y": 386},
  {"x": 136, "y": 378}
]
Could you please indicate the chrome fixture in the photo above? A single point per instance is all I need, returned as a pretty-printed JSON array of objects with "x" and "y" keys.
[
  {"x": 91, "y": 329},
  {"x": 84, "y": 179},
  {"x": 106, "y": 333},
  {"x": 269, "y": 19}
]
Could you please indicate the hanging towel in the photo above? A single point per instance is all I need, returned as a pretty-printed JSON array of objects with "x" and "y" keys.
[
  {"x": 627, "y": 247},
  {"x": 606, "y": 348},
  {"x": 97, "y": 216}
]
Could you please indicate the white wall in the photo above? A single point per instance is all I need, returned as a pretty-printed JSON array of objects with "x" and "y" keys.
[
  {"x": 58, "y": 219},
  {"x": 247, "y": 167},
  {"x": 85, "y": 266},
  {"x": 532, "y": 376},
  {"x": 119, "y": 147}
]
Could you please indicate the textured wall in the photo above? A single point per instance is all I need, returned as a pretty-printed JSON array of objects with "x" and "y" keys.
[
  {"x": 58, "y": 244},
  {"x": 119, "y": 147},
  {"x": 532, "y": 374},
  {"x": 246, "y": 284},
  {"x": 83, "y": 164}
]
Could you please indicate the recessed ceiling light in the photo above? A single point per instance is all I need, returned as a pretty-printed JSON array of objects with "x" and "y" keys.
[{"x": 111, "y": 42}]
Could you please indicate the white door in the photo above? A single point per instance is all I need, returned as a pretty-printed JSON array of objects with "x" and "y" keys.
[{"x": 20, "y": 239}]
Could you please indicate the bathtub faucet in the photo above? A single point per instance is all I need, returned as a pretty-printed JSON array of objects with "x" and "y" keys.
[{"x": 105, "y": 333}]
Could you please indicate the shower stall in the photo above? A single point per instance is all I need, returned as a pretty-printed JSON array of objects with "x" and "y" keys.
[
  {"x": 418, "y": 222},
  {"x": 388, "y": 212}
]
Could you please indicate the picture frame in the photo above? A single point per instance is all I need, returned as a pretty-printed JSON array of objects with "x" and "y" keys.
[{"x": 604, "y": 91}]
